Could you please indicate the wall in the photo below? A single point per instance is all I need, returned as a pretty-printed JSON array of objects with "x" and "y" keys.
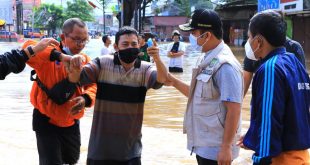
[{"x": 301, "y": 32}]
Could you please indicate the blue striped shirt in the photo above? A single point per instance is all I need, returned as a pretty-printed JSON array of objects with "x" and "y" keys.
[{"x": 280, "y": 118}]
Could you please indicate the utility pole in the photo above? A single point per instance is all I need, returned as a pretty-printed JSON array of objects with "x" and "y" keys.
[
  {"x": 143, "y": 15},
  {"x": 103, "y": 8},
  {"x": 136, "y": 16},
  {"x": 122, "y": 14},
  {"x": 32, "y": 26},
  {"x": 19, "y": 16},
  {"x": 140, "y": 19}
]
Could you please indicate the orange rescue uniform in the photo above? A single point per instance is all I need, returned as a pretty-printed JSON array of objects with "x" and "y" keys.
[{"x": 50, "y": 73}]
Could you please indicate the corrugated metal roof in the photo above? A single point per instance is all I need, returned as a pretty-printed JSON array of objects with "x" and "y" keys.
[{"x": 236, "y": 4}]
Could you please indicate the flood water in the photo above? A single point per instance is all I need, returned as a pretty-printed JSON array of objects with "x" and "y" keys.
[{"x": 163, "y": 141}]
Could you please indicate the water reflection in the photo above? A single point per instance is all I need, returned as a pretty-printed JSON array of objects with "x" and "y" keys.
[{"x": 162, "y": 131}]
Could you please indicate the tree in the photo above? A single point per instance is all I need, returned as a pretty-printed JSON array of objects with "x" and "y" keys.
[
  {"x": 202, "y": 4},
  {"x": 128, "y": 9},
  {"x": 48, "y": 17},
  {"x": 185, "y": 7},
  {"x": 130, "y": 6},
  {"x": 231, "y": 1},
  {"x": 79, "y": 9}
]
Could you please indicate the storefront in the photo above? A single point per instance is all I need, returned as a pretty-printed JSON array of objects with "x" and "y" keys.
[{"x": 236, "y": 17}]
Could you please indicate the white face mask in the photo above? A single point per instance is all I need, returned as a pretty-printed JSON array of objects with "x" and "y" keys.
[
  {"x": 194, "y": 44},
  {"x": 67, "y": 50},
  {"x": 249, "y": 51}
]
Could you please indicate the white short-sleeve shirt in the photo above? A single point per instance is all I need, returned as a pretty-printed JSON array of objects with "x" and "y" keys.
[
  {"x": 178, "y": 61},
  {"x": 106, "y": 50}
]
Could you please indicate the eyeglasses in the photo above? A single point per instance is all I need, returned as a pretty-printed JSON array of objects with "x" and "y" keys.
[{"x": 78, "y": 41}]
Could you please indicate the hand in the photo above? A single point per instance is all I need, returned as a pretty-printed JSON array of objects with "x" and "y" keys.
[
  {"x": 224, "y": 157},
  {"x": 78, "y": 105},
  {"x": 170, "y": 54},
  {"x": 74, "y": 68},
  {"x": 153, "y": 52},
  {"x": 154, "y": 42},
  {"x": 45, "y": 42},
  {"x": 240, "y": 143},
  {"x": 77, "y": 61}
]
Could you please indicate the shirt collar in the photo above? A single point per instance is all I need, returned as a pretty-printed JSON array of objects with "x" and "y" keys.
[
  {"x": 216, "y": 50},
  {"x": 274, "y": 52}
]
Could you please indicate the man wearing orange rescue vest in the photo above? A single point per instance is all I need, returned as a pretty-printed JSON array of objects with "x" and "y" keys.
[{"x": 55, "y": 123}]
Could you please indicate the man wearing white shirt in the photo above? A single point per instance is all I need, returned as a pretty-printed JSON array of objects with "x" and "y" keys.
[
  {"x": 176, "y": 51},
  {"x": 106, "y": 50}
]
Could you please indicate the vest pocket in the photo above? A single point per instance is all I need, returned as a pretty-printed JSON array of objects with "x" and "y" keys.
[
  {"x": 208, "y": 127},
  {"x": 204, "y": 87},
  {"x": 206, "y": 109}
]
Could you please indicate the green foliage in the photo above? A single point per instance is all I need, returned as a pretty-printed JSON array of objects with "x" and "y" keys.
[
  {"x": 114, "y": 10},
  {"x": 157, "y": 11},
  {"x": 203, "y": 4},
  {"x": 230, "y": 1},
  {"x": 184, "y": 5},
  {"x": 48, "y": 16},
  {"x": 79, "y": 9}
]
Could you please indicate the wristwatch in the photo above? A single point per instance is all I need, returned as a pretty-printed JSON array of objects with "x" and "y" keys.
[{"x": 30, "y": 50}]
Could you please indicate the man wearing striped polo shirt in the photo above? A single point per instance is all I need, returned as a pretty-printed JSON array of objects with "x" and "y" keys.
[
  {"x": 122, "y": 82},
  {"x": 280, "y": 119}
]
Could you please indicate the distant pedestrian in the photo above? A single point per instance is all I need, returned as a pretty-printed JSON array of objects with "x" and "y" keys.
[
  {"x": 106, "y": 50},
  {"x": 176, "y": 51},
  {"x": 143, "y": 49}
]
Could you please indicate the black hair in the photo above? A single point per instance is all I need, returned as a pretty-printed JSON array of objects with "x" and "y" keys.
[
  {"x": 70, "y": 23},
  {"x": 176, "y": 34},
  {"x": 271, "y": 25},
  {"x": 142, "y": 36},
  {"x": 104, "y": 38},
  {"x": 125, "y": 30}
]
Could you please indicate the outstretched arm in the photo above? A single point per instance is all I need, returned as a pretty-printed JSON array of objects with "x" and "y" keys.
[
  {"x": 15, "y": 60},
  {"x": 178, "y": 84}
]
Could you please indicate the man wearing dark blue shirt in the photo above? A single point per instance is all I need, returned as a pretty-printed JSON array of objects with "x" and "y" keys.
[{"x": 279, "y": 131}]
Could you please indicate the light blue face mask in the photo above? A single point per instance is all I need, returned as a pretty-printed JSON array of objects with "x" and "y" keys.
[
  {"x": 194, "y": 44},
  {"x": 67, "y": 50}
]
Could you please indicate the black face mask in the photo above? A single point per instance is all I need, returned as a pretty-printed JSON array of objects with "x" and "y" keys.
[{"x": 128, "y": 55}]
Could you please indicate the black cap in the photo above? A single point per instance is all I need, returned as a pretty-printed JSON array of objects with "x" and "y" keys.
[{"x": 202, "y": 19}]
